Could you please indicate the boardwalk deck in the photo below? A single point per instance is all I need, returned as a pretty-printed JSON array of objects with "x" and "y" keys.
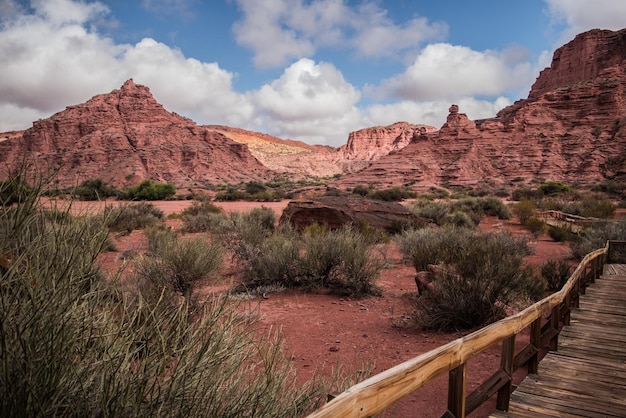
[{"x": 586, "y": 376}]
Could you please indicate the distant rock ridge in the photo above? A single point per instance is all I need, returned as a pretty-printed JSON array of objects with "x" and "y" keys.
[
  {"x": 126, "y": 136},
  {"x": 370, "y": 144},
  {"x": 572, "y": 128}
]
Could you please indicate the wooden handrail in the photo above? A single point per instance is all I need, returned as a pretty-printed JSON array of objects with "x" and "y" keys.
[{"x": 382, "y": 390}]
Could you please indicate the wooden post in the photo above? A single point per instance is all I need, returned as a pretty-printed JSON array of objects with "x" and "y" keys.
[
  {"x": 554, "y": 324},
  {"x": 535, "y": 340},
  {"x": 568, "y": 309},
  {"x": 456, "y": 391},
  {"x": 506, "y": 364}
]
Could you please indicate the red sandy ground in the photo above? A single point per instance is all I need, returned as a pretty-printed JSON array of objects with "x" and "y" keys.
[{"x": 323, "y": 331}]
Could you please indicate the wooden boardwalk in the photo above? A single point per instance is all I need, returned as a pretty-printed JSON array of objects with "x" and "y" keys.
[{"x": 586, "y": 376}]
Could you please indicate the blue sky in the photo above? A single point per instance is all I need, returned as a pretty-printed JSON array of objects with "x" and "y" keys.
[{"x": 313, "y": 70}]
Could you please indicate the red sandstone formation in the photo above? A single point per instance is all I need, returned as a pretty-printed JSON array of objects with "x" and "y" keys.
[
  {"x": 124, "y": 137},
  {"x": 295, "y": 158},
  {"x": 572, "y": 128},
  {"x": 370, "y": 144}
]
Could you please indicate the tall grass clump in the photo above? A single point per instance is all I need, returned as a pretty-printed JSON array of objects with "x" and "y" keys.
[
  {"x": 74, "y": 344},
  {"x": 177, "y": 264},
  {"x": 479, "y": 274},
  {"x": 203, "y": 217},
  {"x": 127, "y": 218},
  {"x": 341, "y": 261}
]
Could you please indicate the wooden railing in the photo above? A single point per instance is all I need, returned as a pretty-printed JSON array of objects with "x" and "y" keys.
[
  {"x": 544, "y": 318},
  {"x": 574, "y": 222}
]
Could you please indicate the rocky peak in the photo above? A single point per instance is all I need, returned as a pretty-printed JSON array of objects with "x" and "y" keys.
[
  {"x": 586, "y": 57},
  {"x": 372, "y": 143},
  {"x": 457, "y": 125},
  {"x": 126, "y": 136}
]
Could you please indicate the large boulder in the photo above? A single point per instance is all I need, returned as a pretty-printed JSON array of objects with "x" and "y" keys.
[{"x": 337, "y": 211}]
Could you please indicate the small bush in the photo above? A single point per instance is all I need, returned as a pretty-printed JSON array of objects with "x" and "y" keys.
[
  {"x": 94, "y": 189},
  {"x": 536, "y": 226},
  {"x": 361, "y": 190},
  {"x": 126, "y": 218},
  {"x": 593, "y": 238},
  {"x": 178, "y": 264},
  {"x": 203, "y": 217},
  {"x": 553, "y": 187},
  {"x": 483, "y": 274},
  {"x": 558, "y": 233},
  {"x": 275, "y": 261},
  {"x": 524, "y": 210},
  {"x": 341, "y": 261},
  {"x": 555, "y": 274},
  {"x": 147, "y": 190}
]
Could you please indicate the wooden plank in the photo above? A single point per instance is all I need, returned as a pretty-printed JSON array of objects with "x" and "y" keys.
[
  {"x": 486, "y": 390},
  {"x": 564, "y": 395},
  {"x": 562, "y": 407}
]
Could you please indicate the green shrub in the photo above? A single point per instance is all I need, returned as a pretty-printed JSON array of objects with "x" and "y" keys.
[
  {"x": 594, "y": 238},
  {"x": 126, "y": 218},
  {"x": 524, "y": 210},
  {"x": 341, "y": 261},
  {"x": 94, "y": 189},
  {"x": 536, "y": 226},
  {"x": 553, "y": 187},
  {"x": 435, "y": 211},
  {"x": 483, "y": 273},
  {"x": 203, "y": 217},
  {"x": 559, "y": 233},
  {"x": 591, "y": 206},
  {"x": 361, "y": 190},
  {"x": 275, "y": 261},
  {"x": 147, "y": 190},
  {"x": 74, "y": 344},
  {"x": 178, "y": 263},
  {"x": 555, "y": 274},
  {"x": 13, "y": 190}
]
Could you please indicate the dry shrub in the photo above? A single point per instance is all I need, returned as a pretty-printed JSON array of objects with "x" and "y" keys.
[{"x": 483, "y": 274}]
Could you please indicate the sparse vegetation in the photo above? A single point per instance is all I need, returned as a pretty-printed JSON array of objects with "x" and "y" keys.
[
  {"x": 126, "y": 218},
  {"x": 74, "y": 344},
  {"x": 480, "y": 274},
  {"x": 555, "y": 274},
  {"x": 593, "y": 238},
  {"x": 148, "y": 190},
  {"x": 94, "y": 189}
]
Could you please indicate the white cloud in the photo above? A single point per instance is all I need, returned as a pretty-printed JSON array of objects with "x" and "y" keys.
[
  {"x": 49, "y": 63},
  {"x": 201, "y": 91},
  {"x": 580, "y": 16},
  {"x": 278, "y": 31},
  {"x": 434, "y": 112},
  {"x": 447, "y": 71},
  {"x": 310, "y": 101}
]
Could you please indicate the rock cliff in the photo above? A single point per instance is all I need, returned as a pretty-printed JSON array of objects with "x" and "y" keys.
[
  {"x": 572, "y": 128},
  {"x": 124, "y": 137}
]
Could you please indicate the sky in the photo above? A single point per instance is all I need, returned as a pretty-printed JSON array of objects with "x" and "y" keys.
[{"x": 313, "y": 70}]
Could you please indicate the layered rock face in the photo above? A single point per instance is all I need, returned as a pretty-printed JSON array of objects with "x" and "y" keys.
[
  {"x": 126, "y": 136},
  {"x": 294, "y": 158},
  {"x": 571, "y": 128},
  {"x": 370, "y": 144}
]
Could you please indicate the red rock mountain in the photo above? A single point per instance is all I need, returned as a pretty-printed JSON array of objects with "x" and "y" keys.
[
  {"x": 571, "y": 128},
  {"x": 124, "y": 137}
]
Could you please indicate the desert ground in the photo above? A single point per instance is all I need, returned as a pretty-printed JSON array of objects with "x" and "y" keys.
[{"x": 322, "y": 332}]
